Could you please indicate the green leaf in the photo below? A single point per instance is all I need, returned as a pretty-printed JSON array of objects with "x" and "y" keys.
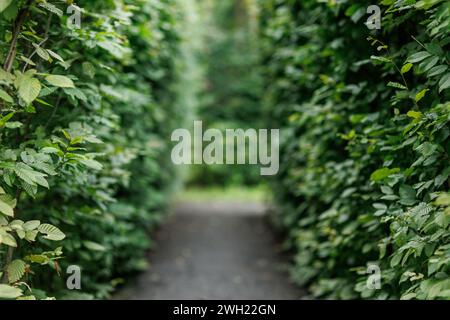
[
  {"x": 437, "y": 70},
  {"x": 428, "y": 63},
  {"x": 4, "y": 4},
  {"x": 51, "y": 232},
  {"x": 92, "y": 164},
  {"x": 396, "y": 85},
  {"x": 55, "y": 55},
  {"x": 49, "y": 150},
  {"x": 25, "y": 173},
  {"x": 9, "y": 292},
  {"x": 89, "y": 69},
  {"x": 9, "y": 240},
  {"x": 7, "y": 205},
  {"x": 381, "y": 59},
  {"x": 6, "y": 209},
  {"x": 27, "y": 60},
  {"x": 443, "y": 200},
  {"x": 5, "y": 96},
  {"x": 407, "y": 195},
  {"x": 52, "y": 8},
  {"x": 31, "y": 225},
  {"x": 37, "y": 258},
  {"x": 382, "y": 174},
  {"x": 60, "y": 81},
  {"x": 444, "y": 83},
  {"x": 434, "y": 49},
  {"x": 419, "y": 56},
  {"x": 94, "y": 246},
  {"x": 29, "y": 89},
  {"x": 31, "y": 235},
  {"x": 16, "y": 270},
  {"x": 41, "y": 52}
]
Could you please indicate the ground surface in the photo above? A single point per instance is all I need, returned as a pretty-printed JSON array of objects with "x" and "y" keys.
[{"x": 215, "y": 251}]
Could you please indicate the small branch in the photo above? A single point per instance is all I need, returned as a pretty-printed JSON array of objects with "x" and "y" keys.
[
  {"x": 32, "y": 54},
  {"x": 40, "y": 44},
  {"x": 10, "y": 57},
  {"x": 17, "y": 27}
]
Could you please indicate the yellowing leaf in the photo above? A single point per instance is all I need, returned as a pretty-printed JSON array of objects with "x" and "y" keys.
[
  {"x": 406, "y": 67},
  {"x": 419, "y": 96},
  {"x": 414, "y": 114}
]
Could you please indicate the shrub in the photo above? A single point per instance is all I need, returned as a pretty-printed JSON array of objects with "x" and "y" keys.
[
  {"x": 365, "y": 174},
  {"x": 84, "y": 113}
]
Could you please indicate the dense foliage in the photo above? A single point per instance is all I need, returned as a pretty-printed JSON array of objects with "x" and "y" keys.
[
  {"x": 85, "y": 112},
  {"x": 231, "y": 91},
  {"x": 365, "y": 156}
]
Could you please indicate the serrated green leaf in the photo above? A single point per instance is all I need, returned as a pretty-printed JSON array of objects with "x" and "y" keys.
[
  {"x": 29, "y": 89},
  {"x": 396, "y": 85},
  {"x": 9, "y": 240},
  {"x": 16, "y": 270},
  {"x": 51, "y": 232}
]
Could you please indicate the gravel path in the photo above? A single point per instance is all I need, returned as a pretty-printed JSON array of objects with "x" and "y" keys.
[{"x": 215, "y": 251}]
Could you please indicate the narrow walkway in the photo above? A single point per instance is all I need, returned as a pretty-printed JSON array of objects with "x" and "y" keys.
[{"x": 215, "y": 251}]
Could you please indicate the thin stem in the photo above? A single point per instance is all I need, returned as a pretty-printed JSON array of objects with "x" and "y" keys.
[{"x": 17, "y": 28}]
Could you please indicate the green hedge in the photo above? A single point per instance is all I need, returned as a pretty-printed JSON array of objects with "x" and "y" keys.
[
  {"x": 84, "y": 118},
  {"x": 229, "y": 97},
  {"x": 365, "y": 155}
]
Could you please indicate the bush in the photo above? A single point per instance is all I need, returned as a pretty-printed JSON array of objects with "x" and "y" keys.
[
  {"x": 230, "y": 96},
  {"x": 365, "y": 170},
  {"x": 85, "y": 113}
]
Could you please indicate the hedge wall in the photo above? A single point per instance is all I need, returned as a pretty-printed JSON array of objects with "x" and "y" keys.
[
  {"x": 365, "y": 156},
  {"x": 229, "y": 98},
  {"x": 84, "y": 115}
]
